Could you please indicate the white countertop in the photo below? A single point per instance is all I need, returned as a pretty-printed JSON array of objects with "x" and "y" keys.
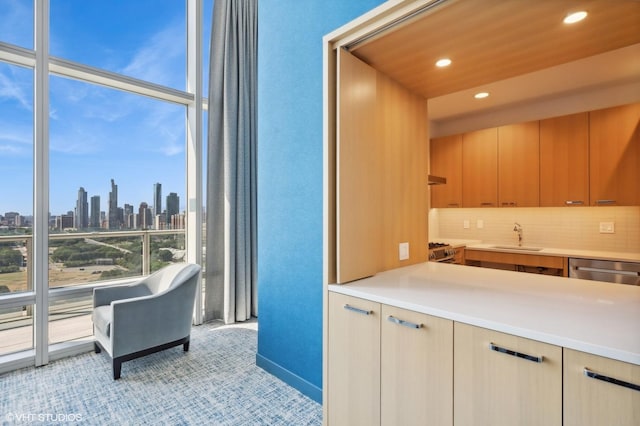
[{"x": 589, "y": 316}]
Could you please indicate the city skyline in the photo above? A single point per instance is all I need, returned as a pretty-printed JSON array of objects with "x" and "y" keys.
[
  {"x": 86, "y": 203},
  {"x": 96, "y": 131}
]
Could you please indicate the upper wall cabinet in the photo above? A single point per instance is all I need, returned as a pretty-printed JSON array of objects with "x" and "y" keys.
[
  {"x": 519, "y": 165},
  {"x": 614, "y": 149},
  {"x": 480, "y": 168},
  {"x": 564, "y": 161},
  {"x": 446, "y": 161}
]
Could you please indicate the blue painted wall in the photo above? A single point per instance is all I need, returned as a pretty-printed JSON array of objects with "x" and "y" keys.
[{"x": 290, "y": 184}]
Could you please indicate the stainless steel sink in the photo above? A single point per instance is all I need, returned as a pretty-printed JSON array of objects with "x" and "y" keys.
[{"x": 517, "y": 248}]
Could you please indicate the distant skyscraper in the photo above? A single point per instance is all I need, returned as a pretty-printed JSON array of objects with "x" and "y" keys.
[
  {"x": 82, "y": 210},
  {"x": 129, "y": 217},
  {"x": 173, "y": 206},
  {"x": 144, "y": 216},
  {"x": 157, "y": 198},
  {"x": 95, "y": 221},
  {"x": 114, "y": 222}
]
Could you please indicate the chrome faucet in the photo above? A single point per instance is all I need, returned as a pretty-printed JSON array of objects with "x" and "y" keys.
[{"x": 518, "y": 228}]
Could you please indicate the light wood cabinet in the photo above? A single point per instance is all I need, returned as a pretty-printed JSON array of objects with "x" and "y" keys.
[
  {"x": 417, "y": 368},
  {"x": 381, "y": 153},
  {"x": 519, "y": 165},
  {"x": 358, "y": 159},
  {"x": 480, "y": 168},
  {"x": 446, "y": 161},
  {"x": 564, "y": 161},
  {"x": 614, "y": 155},
  {"x": 548, "y": 265},
  {"x": 353, "y": 376},
  {"x": 498, "y": 381},
  {"x": 591, "y": 401}
]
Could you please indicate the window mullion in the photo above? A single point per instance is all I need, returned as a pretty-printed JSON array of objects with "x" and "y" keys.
[
  {"x": 41, "y": 182},
  {"x": 193, "y": 241}
]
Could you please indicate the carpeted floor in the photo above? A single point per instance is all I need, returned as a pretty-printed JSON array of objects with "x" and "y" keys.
[{"x": 215, "y": 383}]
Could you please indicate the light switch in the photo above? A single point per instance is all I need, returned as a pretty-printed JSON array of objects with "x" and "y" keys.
[
  {"x": 403, "y": 251},
  {"x": 607, "y": 227},
  {"x": 465, "y": 224},
  {"x": 480, "y": 224}
]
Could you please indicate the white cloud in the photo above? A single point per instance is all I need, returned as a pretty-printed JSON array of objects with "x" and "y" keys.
[
  {"x": 161, "y": 60},
  {"x": 10, "y": 89}
]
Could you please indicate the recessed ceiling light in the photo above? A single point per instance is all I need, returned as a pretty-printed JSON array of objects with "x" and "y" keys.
[
  {"x": 574, "y": 17},
  {"x": 481, "y": 95},
  {"x": 444, "y": 62}
]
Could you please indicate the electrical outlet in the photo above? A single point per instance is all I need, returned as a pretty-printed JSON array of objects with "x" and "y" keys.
[
  {"x": 480, "y": 224},
  {"x": 403, "y": 251},
  {"x": 465, "y": 224},
  {"x": 607, "y": 228}
]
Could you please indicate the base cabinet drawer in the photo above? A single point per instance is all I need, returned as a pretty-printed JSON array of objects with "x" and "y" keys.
[
  {"x": 600, "y": 391},
  {"x": 501, "y": 379}
]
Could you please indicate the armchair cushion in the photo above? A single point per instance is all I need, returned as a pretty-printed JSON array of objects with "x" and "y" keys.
[{"x": 102, "y": 319}]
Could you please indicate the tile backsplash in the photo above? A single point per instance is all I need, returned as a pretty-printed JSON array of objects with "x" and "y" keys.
[{"x": 558, "y": 227}]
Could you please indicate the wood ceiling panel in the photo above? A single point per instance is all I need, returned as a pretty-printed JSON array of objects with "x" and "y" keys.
[{"x": 491, "y": 40}]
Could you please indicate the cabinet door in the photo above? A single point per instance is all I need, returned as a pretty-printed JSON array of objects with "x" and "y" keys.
[
  {"x": 353, "y": 363},
  {"x": 564, "y": 161},
  {"x": 497, "y": 380},
  {"x": 590, "y": 401},
  {"x": 357, "y": 191},
  {"x": 417, "y": 368},
  {"x": 480, "y": 168},
  {"x": 519, "y": 165},
  {"x": 446, "y": 161},
  {"x": 614, "y": 155}
]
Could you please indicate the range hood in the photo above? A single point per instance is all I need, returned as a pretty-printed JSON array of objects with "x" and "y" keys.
[{"x": 436, "y": 180}]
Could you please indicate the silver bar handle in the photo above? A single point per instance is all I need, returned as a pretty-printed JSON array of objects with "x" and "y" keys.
[
  {"x": 403, "y": 322},
  {"x": 516, "y": 354},
  {"x": 357, "y": 310},
  {"x": 593, "y": 375},
  {"x": 607, "y": 271},
  {"x": 601, "y": 202},
  {"x": 574, "y": 202}
]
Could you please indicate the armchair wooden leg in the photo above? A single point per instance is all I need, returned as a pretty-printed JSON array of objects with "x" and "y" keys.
[
  {"x": 117, "y": 368},
  {"x": 185, "y": 346}
]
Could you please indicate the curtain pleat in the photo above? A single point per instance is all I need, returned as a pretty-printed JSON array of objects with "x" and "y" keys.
[{"x": 231, "y": 223}]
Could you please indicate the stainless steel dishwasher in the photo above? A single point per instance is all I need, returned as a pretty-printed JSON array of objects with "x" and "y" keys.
[{"x": 605, "y": 270}]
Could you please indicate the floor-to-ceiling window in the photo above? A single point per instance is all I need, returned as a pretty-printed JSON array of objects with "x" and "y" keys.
[{"x": 97, "y": 143}]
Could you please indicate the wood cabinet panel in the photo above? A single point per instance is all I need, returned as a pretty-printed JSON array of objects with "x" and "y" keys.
[
  {"x": 519, "y": 165},
  {"x": 353, "y": 366},
  {"x": 381, "y": 154},
  {"x": 592, "y": 402},
  {"x": 446, "y": 161},
  {"x": 564, "y": 161},
  {"x": 614, "y": 155},
  {"x": 358, "y": 158},
  {"x": 495, "y": 388},
  {"x": 402, "y": 122},
  {"x": 480, "y": 168},
  {"x": 416, "y": 368}
]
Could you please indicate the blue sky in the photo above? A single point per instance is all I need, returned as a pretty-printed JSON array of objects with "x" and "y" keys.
[{"x": 97, "y": 133}]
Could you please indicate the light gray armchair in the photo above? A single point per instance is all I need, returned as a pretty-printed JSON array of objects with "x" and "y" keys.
[{"x": 151, "y": 315}]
